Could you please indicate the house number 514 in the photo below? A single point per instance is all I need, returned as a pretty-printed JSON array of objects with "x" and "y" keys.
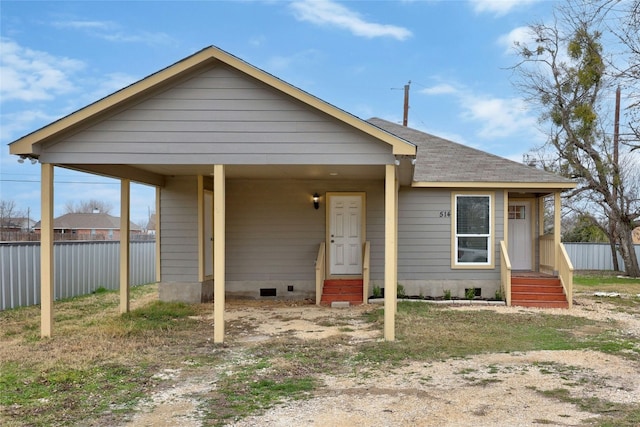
[{"x": 445, "y": 214}]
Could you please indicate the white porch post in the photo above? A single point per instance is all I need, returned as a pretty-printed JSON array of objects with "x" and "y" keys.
[
  {"x": 219, "y": 209},
  {"x": 390, "y": 252},
  {"x": 46, "y": 251},
  {"x": 557, "y": 208},
  {"x": 125, "y": 199}
]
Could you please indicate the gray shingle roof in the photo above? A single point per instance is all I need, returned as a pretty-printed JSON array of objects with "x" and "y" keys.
[
  {"x": 87, "y": 221},
  {"x": 441, "y": 160}
]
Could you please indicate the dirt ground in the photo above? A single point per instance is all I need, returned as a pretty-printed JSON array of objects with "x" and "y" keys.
[{"x": 486, "y": 390}]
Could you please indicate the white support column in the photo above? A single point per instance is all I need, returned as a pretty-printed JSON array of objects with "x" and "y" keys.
[
  {"x": 219, "y": 209},
  {"x": 46, "y": 251},
  {"x": 390, "y": 252},
  {"x": 125, "y": 201},
  {"x": 557, "y": 211}
]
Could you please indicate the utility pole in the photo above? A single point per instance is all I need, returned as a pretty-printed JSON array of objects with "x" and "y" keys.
[
  {"x": 405, "y": 116},
  {"x": 616, "y": 179}
]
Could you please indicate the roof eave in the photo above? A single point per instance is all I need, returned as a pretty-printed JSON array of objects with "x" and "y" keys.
[
  {"x": 501, "y": 185},
  {"x": 25, "y": 145}
]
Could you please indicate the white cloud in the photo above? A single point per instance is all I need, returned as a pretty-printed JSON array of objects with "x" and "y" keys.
[
  {"x": 31, "y": 75},
  {"x": 496, "y": 117},
  {"x": 498, "y": 7},
  {"x": 328, "y": 12},
  {"x": 15, "y": 123},
  {"x": 522, "y": 35},
  {"x": 440, "y": 89},
  {"x": 85, "y": 25},
  {"x": 499, "y": 117},
  {"x": 113, "y": 32}
]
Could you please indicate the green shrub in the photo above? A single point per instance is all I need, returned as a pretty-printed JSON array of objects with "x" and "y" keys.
[
  {"x": 470, "y": 293},
  {"x": 377, "y": 292},
  {"x": 401, "y": 291}
]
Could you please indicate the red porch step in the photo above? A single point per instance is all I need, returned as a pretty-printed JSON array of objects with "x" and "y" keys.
[
  {"x": 543, "y": 292},
  {"x": 342, "y": 290}
]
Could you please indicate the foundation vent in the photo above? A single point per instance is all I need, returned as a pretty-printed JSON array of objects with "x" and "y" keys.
[{"x": 268, "y": 292}]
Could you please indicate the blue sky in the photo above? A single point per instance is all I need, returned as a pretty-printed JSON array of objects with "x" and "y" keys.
[{"x": 57, "y": 57}]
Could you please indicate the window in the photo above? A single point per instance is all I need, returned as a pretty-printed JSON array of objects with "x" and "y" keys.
[
  {"x": 472, "y": 229},
  {"x": 517, "y": 212}
]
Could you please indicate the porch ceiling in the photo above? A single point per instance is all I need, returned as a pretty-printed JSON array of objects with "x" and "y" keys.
[
  {"x": 142, "y": 172},
  {"x": 275, "y": 171}
]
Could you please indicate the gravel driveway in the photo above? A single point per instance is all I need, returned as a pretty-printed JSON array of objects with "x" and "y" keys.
[{"x": 486, "y": 390}]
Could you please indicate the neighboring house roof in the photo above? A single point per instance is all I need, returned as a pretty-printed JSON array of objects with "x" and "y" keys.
[
  {"x": 164, "y": 77},
  {"x": 17, "y": 222},
  {"x": 88, "y": 221},
  {"x": 440, "y": 162}
]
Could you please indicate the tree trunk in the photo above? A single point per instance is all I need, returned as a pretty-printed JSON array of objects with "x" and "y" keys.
[
  {"x": 628, "y": 253},
  {"x": 612, "y": 241}
]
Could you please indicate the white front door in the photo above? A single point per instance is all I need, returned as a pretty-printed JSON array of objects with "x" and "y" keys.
[
  {"x": 520, "y": 245},
  {"x": 345, "y": 235}
]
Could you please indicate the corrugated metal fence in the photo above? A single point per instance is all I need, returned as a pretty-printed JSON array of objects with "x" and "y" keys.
[
  {"x": 594, "y": 256},
  {"x": 80, "y": 268}
]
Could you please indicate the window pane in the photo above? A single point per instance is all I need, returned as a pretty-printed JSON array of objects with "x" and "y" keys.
[
  {"x": 473, "y": 249},
  {"x": 517, "y": 212},
  {"x": 472, "y": 215}
]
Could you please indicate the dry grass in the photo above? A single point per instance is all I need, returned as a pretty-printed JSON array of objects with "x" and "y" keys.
[{"x": 99, "y": 363}]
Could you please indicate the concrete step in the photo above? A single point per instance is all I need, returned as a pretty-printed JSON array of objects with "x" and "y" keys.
[{"x": 540, "y": 304}]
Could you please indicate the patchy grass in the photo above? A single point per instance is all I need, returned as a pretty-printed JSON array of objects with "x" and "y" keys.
[
  {"x": 433, "y": 332},
  {"x": 610, "y": 414},
  {"x": 606, "y": 282},
  {"x": 628, "y": 300},
  {"x": 99, "y": 364},
  {"x": 253, "y": 388}
]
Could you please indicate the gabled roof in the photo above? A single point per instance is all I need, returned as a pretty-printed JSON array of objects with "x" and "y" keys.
[
  {"x": 444, "y": 163},
  {"x": 88, "y": 221},
  {"x": 164, "y": 77}
]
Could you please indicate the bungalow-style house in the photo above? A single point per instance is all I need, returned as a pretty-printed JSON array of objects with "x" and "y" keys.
[
  {"x": 265, "y": 190},
  {"x": 88, "y": 226}
]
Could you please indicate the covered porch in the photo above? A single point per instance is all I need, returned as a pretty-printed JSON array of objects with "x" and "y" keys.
[
  {"x": 241, "y": 229},
  {"x": 534, "y": 265}
]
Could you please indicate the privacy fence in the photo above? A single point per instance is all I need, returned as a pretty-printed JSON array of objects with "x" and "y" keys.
[
  {"x": 594, "y": 256},
  {"x": 80, "y": 268}
]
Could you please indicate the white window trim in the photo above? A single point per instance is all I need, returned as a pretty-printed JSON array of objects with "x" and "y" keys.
[{"x": 490, "y": 264}]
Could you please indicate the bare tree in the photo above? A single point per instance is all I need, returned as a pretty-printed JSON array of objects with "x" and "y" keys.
[
  {"x": 9, "y": 213},
  {"x": 627, "y": 30},
  {"x": 563, "y": 72},
  {"x": 88, "y": 206}
]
